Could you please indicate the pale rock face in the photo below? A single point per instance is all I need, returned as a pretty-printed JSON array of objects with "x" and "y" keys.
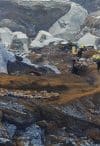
[
  {"x": 5, "y": 56},
  {"x": 23, "y": 38},
  {"x": 40, "y": 38},
  {"x": 88, "y": 40},
  {"x": 6, "y": 36},
  {"x": 43, "y": 39},
  {"x": 69, "y": 25}
]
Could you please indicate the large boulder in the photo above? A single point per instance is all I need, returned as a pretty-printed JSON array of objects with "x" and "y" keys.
[
  {"x": 20, "y": 38},
  {"x": 5, "y": 56},
  {"x": 70, "y": 24},
  {"x": 33, "y": 16},
  {"x": 6, "y": 36},
  {"x": 14, "y": 39},
  {"x": 89, "y": 40},
  {"x": 43, "y": 39}
]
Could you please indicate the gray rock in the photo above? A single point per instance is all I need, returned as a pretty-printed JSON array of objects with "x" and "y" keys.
[
  {"x": 70, "y": 24},
  {"x": 31, "y": 16},
  {"x": 31, "y": 136},
  {"x": 12, "y": 25},
  {"x": 11, "y": 129}
]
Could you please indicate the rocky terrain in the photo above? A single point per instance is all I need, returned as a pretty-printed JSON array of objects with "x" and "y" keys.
[
  {"x": 52, "y": 110},
  {"x": 58, "y": 16},
  {"x": 42, "y": 102}
]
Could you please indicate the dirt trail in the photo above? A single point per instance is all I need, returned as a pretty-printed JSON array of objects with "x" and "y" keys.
[{"x": 68, "y": 85}]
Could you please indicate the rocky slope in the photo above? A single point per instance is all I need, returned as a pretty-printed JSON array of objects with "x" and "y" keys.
[
  {"x": 58, "y": 108},
  {"x": 66, "y": 120}
]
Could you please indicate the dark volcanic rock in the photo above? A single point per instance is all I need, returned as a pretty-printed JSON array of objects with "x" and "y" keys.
[
  {"x": 19, "y": 116},
  {"x": 19, "y": 67},
  {"x": 18, "y": 122},
  {"x": 15, "y": 112},
  {"x": 86, "y": 108}
]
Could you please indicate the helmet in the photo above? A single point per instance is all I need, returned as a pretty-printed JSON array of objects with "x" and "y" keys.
[
  {"x": 96, "y": 56},
  {"x": 82, "y": 46}
]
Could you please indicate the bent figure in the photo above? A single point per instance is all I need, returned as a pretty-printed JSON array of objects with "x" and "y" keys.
[{"x": 80, "y": 53}]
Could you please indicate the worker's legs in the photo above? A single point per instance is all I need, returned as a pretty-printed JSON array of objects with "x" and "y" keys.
[
  {"x": 75, "y": 70},
  {"x": 98, "y": 66}
]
